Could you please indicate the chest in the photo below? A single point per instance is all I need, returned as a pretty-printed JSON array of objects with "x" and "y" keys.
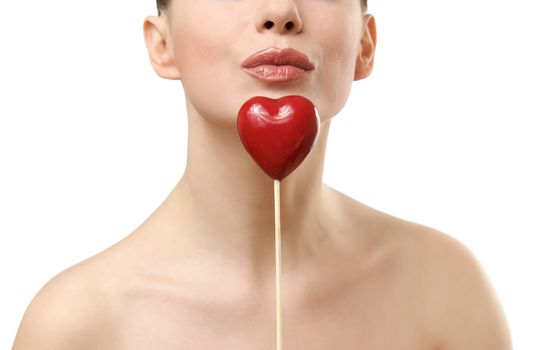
[{"x": 384, "y": 318}]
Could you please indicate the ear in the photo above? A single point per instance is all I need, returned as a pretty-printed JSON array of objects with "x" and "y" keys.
[
  {"x": 157, "y": 40},
  {"x": 365, "y": 60}
]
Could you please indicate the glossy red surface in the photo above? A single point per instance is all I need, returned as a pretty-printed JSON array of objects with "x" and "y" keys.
[{"x": 278, "y": 133}]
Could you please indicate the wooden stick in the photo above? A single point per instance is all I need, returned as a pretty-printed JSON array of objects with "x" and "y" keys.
[{"x": 278, "y": 245}]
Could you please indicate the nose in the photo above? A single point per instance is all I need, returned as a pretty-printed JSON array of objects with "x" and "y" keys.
[{"x": 280, "y": 16}]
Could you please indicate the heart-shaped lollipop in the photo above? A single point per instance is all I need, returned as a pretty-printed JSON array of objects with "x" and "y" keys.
[{"x": 278, "y": 133}]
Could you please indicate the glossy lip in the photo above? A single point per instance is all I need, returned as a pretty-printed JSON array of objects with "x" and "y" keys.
[{"x": 278, "y": 65}]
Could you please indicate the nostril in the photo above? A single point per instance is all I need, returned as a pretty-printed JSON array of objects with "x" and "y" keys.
[
  {"x": 289, "y": 25},
  {"x": 269, "y": 24}
]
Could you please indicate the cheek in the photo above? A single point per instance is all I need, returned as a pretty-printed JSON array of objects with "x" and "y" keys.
[
  {"x": 339, "y": 45},
  {"x": 203, "y": 46},
  {"x": 204, "y": 57}
]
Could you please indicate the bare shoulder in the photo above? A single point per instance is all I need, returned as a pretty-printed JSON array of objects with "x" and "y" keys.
[
  {"x": 457, "y": 303},
  {"x": 69, "y": 312},
  {"x": 461, "y": 307}
]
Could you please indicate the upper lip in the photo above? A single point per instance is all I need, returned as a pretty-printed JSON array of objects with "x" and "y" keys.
[{"x": 278, "y": 57}]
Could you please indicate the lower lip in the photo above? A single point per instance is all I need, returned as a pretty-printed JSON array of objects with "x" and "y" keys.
[{"x": 271, "y": 73}]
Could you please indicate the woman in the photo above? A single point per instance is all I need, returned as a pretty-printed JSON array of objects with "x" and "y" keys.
[{"x": 199, "y": 273}]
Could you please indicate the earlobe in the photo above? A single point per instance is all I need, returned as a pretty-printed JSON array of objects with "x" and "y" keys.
[
  {"x": 156, "y": 36},
  {"x": 365, "y": 59}
]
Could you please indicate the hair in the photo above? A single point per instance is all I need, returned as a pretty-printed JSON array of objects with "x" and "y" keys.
[{"x": 163, "y": 5}]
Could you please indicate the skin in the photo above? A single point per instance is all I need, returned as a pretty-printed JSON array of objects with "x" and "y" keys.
[{"x": 199, "y": 273}]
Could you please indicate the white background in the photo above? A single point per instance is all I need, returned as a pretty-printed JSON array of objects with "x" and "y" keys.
[{"x": 92, "y": 140}]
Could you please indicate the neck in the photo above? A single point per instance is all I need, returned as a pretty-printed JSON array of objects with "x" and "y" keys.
[{"x": 223, "y": 207}]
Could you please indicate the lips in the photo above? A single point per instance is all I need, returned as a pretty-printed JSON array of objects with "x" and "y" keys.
[{"x": 278, "y": 65}]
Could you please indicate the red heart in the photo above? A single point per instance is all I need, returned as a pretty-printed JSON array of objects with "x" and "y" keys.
[{"x": 278, "y": 133}]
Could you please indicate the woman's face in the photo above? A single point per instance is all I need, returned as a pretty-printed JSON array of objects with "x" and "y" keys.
[{"x": 209, "y": 39}]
